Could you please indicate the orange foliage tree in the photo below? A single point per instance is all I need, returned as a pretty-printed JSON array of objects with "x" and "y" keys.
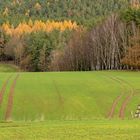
[
  {"x": 132, "y": 57},
  {"x": 38, "y": 25}
]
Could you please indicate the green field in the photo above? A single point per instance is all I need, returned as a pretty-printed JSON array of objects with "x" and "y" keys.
[
  {"x": 71, "y": 130},
  {"x": 8, "y": 68},
  {"x": 70, "y": 95},
  {"x": 69, "y": 105}
]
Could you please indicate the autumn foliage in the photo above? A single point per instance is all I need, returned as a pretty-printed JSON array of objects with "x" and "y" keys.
[
  {"x": 38, "y": 25},
  {"x": 60, "y": 44},
  {"x": 30, "y": 44},
  {"x": 135, "y": 4},
  {"x": 132, "y": 57}
]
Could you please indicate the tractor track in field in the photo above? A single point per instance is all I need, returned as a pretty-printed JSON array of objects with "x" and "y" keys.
[
  {"x": 2, "y": 92},
  {"x": 116, "y": 101},
  {"x": 60, "y": 98},
  {"x": 10, "y": 99},
  {"x": 127, "y": 99},
  {"x": 123, "y": 84}
]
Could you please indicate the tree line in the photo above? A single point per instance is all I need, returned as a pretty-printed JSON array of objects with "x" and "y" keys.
[
  {"x": 29, "y": 45},
  {"x": 112, "y": 44}
]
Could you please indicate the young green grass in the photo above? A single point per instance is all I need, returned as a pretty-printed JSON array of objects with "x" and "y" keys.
[
  {"x": 70, "y": 95},
  {"x": 8, "y": 68},
  {"x": 70, "y": 106},
  {"x": 71, "y": 130}
]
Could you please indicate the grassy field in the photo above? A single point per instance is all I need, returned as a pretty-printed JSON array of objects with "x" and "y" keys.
[
  {"x": 69, "y": 96},
  {"x": 69, "y": 105},
  {"x": 8, "y": 68},
  {"x": 71, "y": 130}
]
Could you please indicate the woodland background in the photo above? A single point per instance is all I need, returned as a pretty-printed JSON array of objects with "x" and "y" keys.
[{"x": 70, "y": 35}]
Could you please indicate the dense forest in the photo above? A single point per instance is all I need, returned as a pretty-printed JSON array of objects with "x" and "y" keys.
[
  {"x": 84, "y": 12},
  {"x": 74, "y": 35}
]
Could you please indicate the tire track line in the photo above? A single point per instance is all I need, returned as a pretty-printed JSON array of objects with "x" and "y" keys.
[
  {"x": 116, "y": 101},
  {"x": 10, "y": 99},
  {"x": 60, "y": 98},
  {"x": 127, "y": 100},
  {"x": 2, "y": 92}
]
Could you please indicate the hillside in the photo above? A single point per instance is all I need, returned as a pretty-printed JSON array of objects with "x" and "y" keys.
[
  {"x": 69, "y": 96},
  {"x": 62, "y": 35},
  {"x": 69, "y": 69},
  {"x": 84, "y": 12},
  {"x": 8, "y": 68}
]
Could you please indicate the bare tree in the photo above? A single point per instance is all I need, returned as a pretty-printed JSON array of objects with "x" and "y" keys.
[{"x": 100, "y": 49}]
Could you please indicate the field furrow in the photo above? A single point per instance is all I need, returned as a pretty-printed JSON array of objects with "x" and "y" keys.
[
  {"x": 10, "y": 99},
  {"x": 4, "y": 89}
]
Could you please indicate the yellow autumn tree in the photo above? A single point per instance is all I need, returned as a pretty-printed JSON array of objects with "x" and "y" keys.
[
  {"x": 30, "y": 23},
  {"x": 7, "y": 28},
  {"x": 15, "y": 2},
  {"x": 37, "y": 6},
  {"x": 6, "y": 11},
  {"x": 27, "y": 13},
  {"x": 135, "y": 4},
  {"x": 38, "y": 25}
]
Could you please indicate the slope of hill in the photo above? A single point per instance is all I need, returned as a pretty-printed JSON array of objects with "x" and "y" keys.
[
  {"x": 84, "y": 12},
  {"x": 69, "y": 96},
  {"x": 8, "y": 68},
  {"x": 36, "y": 45}
]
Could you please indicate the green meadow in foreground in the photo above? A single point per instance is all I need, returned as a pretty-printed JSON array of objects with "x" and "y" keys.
[
  {"x": 69, "y": 105},
  {"x": 71, "y": 130}
]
